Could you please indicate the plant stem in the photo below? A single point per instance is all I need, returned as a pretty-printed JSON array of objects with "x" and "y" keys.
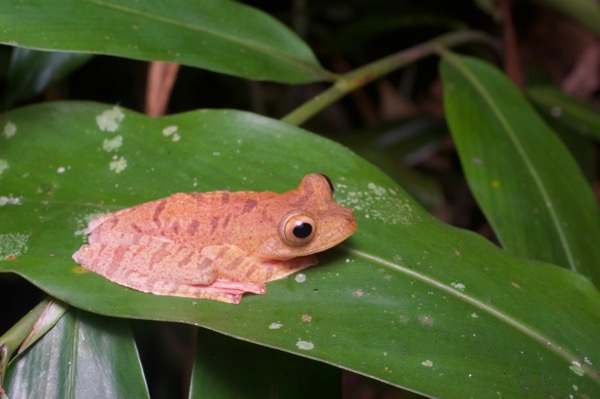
[{"x": 357, "y": 78}]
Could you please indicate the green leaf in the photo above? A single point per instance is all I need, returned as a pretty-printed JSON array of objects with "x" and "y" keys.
[
  {"x": 577, "y": 124},
  {"x": 31, "y": 72},
  {"x": 218, "y": 35},
  {"x": 566, "y": 110},
  {"x": 83, "y": 356},
  {"x": 527, "y": 183},
  {"x": 31, "y": 327},
  {"x": 270, "y": 373},
  {"x": 407, "y": 299},
  {"x": 53, "y": 311}
]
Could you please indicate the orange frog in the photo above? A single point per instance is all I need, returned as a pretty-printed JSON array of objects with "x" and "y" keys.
[{"x": 216, "y": 245}]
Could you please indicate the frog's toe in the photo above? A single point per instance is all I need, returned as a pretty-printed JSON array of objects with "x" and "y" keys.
[{"x": 220, "y": 290}]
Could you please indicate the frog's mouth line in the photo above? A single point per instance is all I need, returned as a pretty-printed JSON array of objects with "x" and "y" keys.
[{"x": 332, "y": 239}]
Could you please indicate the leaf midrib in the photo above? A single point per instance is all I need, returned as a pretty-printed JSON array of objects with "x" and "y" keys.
[
  {"x": 537, "y": 180},
  {"x": 497, "y": 313},
  {"x": 234, "y": 39}
]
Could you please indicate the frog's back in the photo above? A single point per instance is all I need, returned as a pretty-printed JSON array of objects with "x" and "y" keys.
[{"x": 204, "y": 217}]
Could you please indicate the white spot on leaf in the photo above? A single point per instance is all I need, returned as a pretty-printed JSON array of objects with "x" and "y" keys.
[
  {"x": 10, "y": 129},
  {"x": 305, "y": 345},
  {"x": 3, "y": 166},
  {"x": 61, "y": 169},
  {"x": 4, "y": 200},
  {"x": 110, "y": 120},
  {"x": 378, "y": 203},
  {"x": 113, "y": 144},
  {"x": 427, "y": 363},
  {"x": 300, "y": 277},
  {"x": 118, "y": 165},
  {"x": 576, "y": 368},
  {"x": 12, "y": 245},
  {"x": 426, "y": 320},
  {"x": 171, "y": 131},
  {"x": 275, "y": 326},
  {"x": 376, "y": 189},
  {"x": 458, "y": 286}
]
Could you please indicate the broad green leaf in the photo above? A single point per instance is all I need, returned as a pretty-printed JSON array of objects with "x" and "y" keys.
[
  {"x": 31, "y": 72},
  {"x": 218, "y": 35},
  {"x": 527, "y": 183},
  {"x": 83, "y": 356},
  {"x": 407, "y": 299},
  {"x": 567, "y": 110},
  {"x": 260, "y": 372}
]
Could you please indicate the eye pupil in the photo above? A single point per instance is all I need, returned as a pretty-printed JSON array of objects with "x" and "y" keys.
[{"x": 302, "y": 230}]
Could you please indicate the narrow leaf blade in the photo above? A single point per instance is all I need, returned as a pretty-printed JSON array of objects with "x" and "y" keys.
[
  {"x": 31, "y": 72},
  {"x": 527, "y": 183},
  {"x": 83, "y": 356},
  {"x": 221, "y": 36}
]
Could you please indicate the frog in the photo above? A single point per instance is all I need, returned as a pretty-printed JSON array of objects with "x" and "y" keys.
[{"x": 216, "y": 245}]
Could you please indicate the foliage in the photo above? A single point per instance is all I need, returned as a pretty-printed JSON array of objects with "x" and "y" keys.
[{"x": 407, "y": 300}]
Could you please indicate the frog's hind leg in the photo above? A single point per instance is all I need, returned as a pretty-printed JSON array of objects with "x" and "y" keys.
[
  {"x": 235, "y": 265},
  {"x": 221, "y": 290},
  {"x": 162, "y": 268}
]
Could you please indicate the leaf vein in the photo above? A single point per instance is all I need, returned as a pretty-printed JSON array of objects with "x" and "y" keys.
[{"x": 497, "y": 313}]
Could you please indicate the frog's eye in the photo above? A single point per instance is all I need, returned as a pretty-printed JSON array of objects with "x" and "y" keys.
[{"x": 297, "y": 229}]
